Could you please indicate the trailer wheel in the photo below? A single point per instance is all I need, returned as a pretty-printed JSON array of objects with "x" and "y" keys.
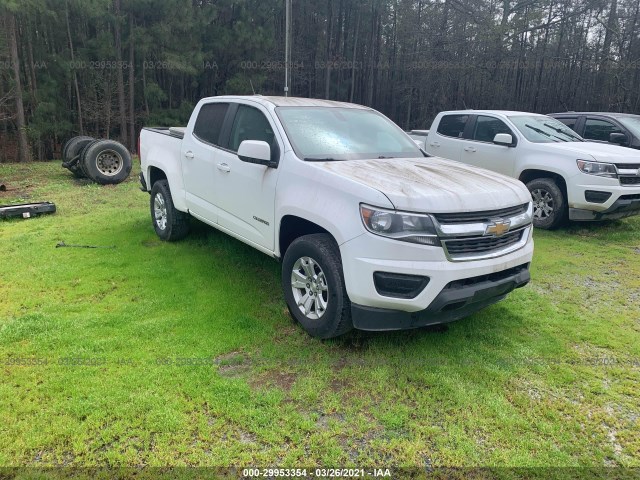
[
  {"x": 72, "y": 152},
  {"x": 106, "y": 162}
]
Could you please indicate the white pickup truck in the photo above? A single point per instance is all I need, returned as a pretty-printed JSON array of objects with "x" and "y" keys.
[
  {"x": 371, "y": 233},
  {"x": 567, "y": 177}
]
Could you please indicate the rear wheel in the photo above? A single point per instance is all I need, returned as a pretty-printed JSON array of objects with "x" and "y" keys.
[
  {"x": 314, "y": 288},
  {"x": 549, "y": 203},
  {"x": 170, "y": 224}
]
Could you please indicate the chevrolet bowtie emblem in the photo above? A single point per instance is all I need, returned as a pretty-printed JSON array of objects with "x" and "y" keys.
[{"x": 498, "y": 228}]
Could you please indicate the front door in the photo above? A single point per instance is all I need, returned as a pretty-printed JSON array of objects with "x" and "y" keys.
[
  {"x": 482, "y": 152},
  {"x": 245, "y": 192}
]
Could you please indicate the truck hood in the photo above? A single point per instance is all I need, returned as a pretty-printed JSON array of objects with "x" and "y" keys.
[
  {"x": 433, "y": 185},
  {"x": 600, "y": 152}
]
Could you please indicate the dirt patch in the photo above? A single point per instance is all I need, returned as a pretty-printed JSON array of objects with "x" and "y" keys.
[{"x": 273, "y": 379}]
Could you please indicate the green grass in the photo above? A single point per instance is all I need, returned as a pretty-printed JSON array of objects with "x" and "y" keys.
[{"x": 154, "y": 354}]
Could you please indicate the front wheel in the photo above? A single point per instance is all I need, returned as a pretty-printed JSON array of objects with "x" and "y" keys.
[
  {"x": 170, "y": 224},
  {"x": 549, "y": 203},
  {"x": 314, "y": 287}
]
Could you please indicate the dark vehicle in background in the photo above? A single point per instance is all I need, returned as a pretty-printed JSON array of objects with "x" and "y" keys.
[{"x": 617, "y": 128}]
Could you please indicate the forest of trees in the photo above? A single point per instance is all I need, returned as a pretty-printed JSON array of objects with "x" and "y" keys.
[{"x": 106, "y": 68}]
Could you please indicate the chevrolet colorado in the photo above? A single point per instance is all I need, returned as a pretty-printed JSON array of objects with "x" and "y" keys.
[
  {"x": 566, "y": 175},
  {"x": 371, "y": 232}
]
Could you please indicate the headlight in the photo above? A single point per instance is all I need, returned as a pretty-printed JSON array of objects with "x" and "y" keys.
[
  {"x": 406, "y": 227},
  {"x": 599, "y": 169}
]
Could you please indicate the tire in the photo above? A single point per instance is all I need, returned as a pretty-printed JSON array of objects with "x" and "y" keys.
[
  {"x": 170, "y": 224},
  {"x": 316, "y": 259},
  {"x": 106, "y": 162},
  {"x": 549, "y": 203},
  {"x": 74, "y": 148}
]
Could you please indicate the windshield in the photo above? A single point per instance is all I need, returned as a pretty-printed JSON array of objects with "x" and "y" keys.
[
  {"x": 328, "y": 133},
  {"x": 543, "y": 129},
  {"x": 632, "y": 124}
]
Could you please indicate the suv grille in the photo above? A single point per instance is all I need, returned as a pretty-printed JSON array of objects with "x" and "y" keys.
[
  {"x": 630, "y": 180},
  {"x": 628, "y": 166},
  {"x": 477, "y": 217},
  {"x": 481, "y": 245}
]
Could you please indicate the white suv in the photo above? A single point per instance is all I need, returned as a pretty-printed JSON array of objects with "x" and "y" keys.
[{"x": 567, "y": 177}]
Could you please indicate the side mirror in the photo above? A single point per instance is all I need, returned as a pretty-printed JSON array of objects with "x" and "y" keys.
[
  {"x": 255, "y": 151},
  {"x": 619, "y": 138},
  {"x": 503, "y": 139}
]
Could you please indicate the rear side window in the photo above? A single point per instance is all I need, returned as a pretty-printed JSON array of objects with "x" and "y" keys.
[
  {"x": 488, "y": 127},
  {"x": 569, "y": 122},
  {"x": 452, "y": 125},
  {"x": 250, "y": 124},
  {"x": 599, "y": 130},
  {"x": 209, "y": 122}
]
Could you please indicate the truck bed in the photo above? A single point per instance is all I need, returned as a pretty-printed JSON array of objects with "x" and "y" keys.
[{"x": 177, "y": 132}]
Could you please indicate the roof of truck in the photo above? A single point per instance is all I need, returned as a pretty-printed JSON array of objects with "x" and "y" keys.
[
  {"x": 291, "y": 101},
  {"x": 506, "y": 113}
]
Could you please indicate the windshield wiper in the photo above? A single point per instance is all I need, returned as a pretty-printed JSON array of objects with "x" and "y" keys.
[
  {"x": 382, "y": 157},
  {"x": 563, "y": 131},
  {"x": 539, "y": 130},
  {"x": 328, "y": 159}
]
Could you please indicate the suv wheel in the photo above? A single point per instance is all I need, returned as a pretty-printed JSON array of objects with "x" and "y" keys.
[
  {"x": 549, "y": 204},
  {"x": 314, "y": 288}
]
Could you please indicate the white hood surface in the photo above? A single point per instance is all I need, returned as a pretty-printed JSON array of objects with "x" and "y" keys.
[
  {"x": 434, "y": 185},
  {"x": 600, "y": 152}
]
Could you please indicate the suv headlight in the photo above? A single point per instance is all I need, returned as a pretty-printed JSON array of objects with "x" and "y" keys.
[
  {"x": 597, "y": 168},
  {"x": 403, "y": 226}
]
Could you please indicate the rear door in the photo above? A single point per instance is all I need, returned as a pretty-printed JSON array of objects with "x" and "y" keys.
[
  {"x": 479, "y": 149},
  {"x": 200, "y": 147},
  {"x": 446, "y": 141},
  {"x": 245, "y": 192}
]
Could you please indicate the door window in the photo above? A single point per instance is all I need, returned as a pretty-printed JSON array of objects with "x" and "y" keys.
[
  {"x": 209, "y": 122},
  {"x": 251, "y": 124},
  {"x": 599, "y": 130},
  {"x": 452, "y": 125},
  {"x": 569, "y": 122},
  {"x": 488, "y": 127}
]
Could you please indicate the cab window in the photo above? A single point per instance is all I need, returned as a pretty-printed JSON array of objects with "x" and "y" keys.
[
  {"x": 569, "y": 122},
  {"x": 452, "y": 125},
  {"x": 488, "y": 127},
  {"x": 599, "y": 130},
  {"x": 209, "y": 122},
  {"x": 251, "y": 124}
]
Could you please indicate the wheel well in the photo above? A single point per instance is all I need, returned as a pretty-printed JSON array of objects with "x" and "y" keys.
[
  {"x": 155, "y": 174},
  {"x": 292, "y": 227},
  {"x": 528, "y": 175}
]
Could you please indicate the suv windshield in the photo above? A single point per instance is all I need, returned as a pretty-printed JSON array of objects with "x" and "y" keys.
[
  {"x": 336, "y": 133},
  {"x": 543, "y": 129},
  {"x": 632, "y": 124}
]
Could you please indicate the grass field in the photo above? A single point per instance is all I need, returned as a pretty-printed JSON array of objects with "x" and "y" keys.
[{"x": 154, "y": 354}]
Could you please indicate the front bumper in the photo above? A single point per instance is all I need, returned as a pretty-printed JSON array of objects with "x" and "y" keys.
[
  {"x": 457, "y": 300},
  {"x": 624, "y": 206},
  {"x": 367, "y": 254}
]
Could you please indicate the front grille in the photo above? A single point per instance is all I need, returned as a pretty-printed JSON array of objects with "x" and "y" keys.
[
  {"x": 477, "y": 217},
  {"x": 481, "y": 245},
  {"x": 630, "y": 197},
  {"x": 628, "y": 166},
  {"x": 630, "y": 180}
]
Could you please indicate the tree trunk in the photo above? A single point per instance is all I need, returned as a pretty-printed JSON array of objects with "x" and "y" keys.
[
  {"x": 75, "y": 75},
  {"x": 24, "y": 154},
  {"x": 122, "y": 110},
  {"x": 132, "y": 117}
]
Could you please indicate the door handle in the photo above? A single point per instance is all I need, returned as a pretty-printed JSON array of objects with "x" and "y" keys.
[
  {"x": 188, "y": 154},
  {"x": 434, "y": 144},
  {"x": 469, "y": 149},
  {"x": 223, "y": 167}
]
